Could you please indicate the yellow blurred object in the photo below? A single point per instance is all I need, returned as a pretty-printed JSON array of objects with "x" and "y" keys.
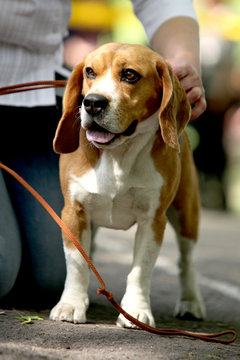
[
  {"x": 230, "y": 26},
  {"x": 226, "y": 23},
  {"x": 95, "y": 15},
  {"x": 116, "y": 16}
]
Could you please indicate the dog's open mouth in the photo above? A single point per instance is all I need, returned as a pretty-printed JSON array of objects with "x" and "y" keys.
[{"x": 98, "y": 134}]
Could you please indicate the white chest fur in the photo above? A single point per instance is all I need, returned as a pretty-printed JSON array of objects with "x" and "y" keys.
[{"x": 124, "y": 187}]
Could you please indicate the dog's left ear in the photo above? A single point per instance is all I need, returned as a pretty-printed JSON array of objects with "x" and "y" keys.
[
  {"x": 67, "y": 135},
  {"x": 175, "y": 109}
]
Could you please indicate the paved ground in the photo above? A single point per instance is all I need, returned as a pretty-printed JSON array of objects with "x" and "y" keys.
[{"x": 218, "y": 262}]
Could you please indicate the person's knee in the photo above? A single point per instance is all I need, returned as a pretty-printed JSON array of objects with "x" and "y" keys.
[
  {"x": 10, "y": 242},
  {"x": 6, "y": 284},
  {"x": 9, "y": 266}
]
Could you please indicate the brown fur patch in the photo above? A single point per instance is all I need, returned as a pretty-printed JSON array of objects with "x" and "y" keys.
[
  {"x": 75, "y": 218},
  {"x": 180, "y": 187},
  {"x": 77, "y": 163},
  {"x": 187, "y": 201},
  {"x": 167, "y": 162}
]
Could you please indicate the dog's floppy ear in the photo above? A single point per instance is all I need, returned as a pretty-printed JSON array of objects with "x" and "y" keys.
[
  {"x": 175, "y": 109},
  {"x": 67, "y": 135}
]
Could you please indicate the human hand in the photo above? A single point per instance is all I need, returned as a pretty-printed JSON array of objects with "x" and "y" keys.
[{"x": 190, "y": 80}]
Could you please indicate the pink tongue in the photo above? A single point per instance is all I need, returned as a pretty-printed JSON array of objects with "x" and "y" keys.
[{"x": 99, "y": 136}]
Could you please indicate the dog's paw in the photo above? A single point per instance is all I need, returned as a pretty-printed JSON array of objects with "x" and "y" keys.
[
  {"x": 68, "y": 312},
  {"x": 145, "y": 316},
  {"x": 190, "y": 310}
]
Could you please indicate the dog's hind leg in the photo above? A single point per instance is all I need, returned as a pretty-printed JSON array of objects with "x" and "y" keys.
[
  {"x": 183, "y": 214},
  {"x": 190, "y": 304}
]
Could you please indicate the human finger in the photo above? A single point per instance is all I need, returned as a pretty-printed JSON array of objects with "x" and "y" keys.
[
  {"x": 191, "y": 82},
  {"x": 198, "y": 108}
]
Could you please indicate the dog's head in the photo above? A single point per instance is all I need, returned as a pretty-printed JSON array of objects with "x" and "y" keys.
[{"x": 114, "y": 89}]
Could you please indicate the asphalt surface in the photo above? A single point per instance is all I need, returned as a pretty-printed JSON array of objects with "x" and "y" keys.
[{"x": 218, "y": 262}]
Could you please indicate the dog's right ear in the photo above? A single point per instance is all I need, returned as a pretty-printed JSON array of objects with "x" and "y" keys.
[
  {"x": 67, "y": 135},
  {"x": 174, "y": 112}
]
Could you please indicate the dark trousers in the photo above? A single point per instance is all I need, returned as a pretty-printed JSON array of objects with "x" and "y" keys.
[{"x": 31, "y": 252}]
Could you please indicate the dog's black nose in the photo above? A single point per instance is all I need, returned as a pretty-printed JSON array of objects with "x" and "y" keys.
[{"x": 95, "y": 103}]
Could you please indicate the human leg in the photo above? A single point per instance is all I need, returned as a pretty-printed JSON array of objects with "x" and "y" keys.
[
  {"x": 29, "y": 152},
  {"x": 10, "y": 242}
]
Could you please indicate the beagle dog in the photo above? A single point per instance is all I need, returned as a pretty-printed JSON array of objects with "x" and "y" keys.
[{"x": 126, "y": 160}]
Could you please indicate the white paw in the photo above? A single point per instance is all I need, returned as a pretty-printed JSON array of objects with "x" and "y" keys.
[
  {"x": 145, "y": 316},
  {"x": 68, "y": 312},
  {"x": 190, "y": 310}
]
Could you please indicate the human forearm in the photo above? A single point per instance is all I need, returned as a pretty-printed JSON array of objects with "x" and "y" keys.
[{"x": 177, "y": 40}]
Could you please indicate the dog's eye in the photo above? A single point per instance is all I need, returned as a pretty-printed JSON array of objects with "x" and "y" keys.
[
  {"x": 130, "y": 76},
  {"x": 90, "y": 73}
]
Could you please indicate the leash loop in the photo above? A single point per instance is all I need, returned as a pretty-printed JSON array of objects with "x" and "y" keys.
[{"x": 107, "y": 294}]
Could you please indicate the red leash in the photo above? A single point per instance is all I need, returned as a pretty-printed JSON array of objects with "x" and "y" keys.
[
  {"x": 35, "y": 85},
  {"x": 202, "y": 336},
  {"x": 108, "y": 294}
]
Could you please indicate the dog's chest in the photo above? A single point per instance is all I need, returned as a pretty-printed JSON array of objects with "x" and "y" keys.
[{"x": 119, "y": 192}]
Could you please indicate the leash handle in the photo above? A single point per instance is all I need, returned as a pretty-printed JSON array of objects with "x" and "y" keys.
[
  {"x": 29, "y": 86},
  {"x": 109, "y": 296}
]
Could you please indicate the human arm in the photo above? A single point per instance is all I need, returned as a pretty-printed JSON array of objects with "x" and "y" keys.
[
  {"x": 177, "y": 40},
  {"x": 173, "y": 31}
]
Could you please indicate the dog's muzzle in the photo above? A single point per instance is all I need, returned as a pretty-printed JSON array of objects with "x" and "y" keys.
[{"x": 95, "y": 105}]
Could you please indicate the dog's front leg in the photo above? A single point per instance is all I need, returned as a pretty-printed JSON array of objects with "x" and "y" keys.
[
  {"x": 74, "y": 301},
  {"x": 136, "y": 300}
]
